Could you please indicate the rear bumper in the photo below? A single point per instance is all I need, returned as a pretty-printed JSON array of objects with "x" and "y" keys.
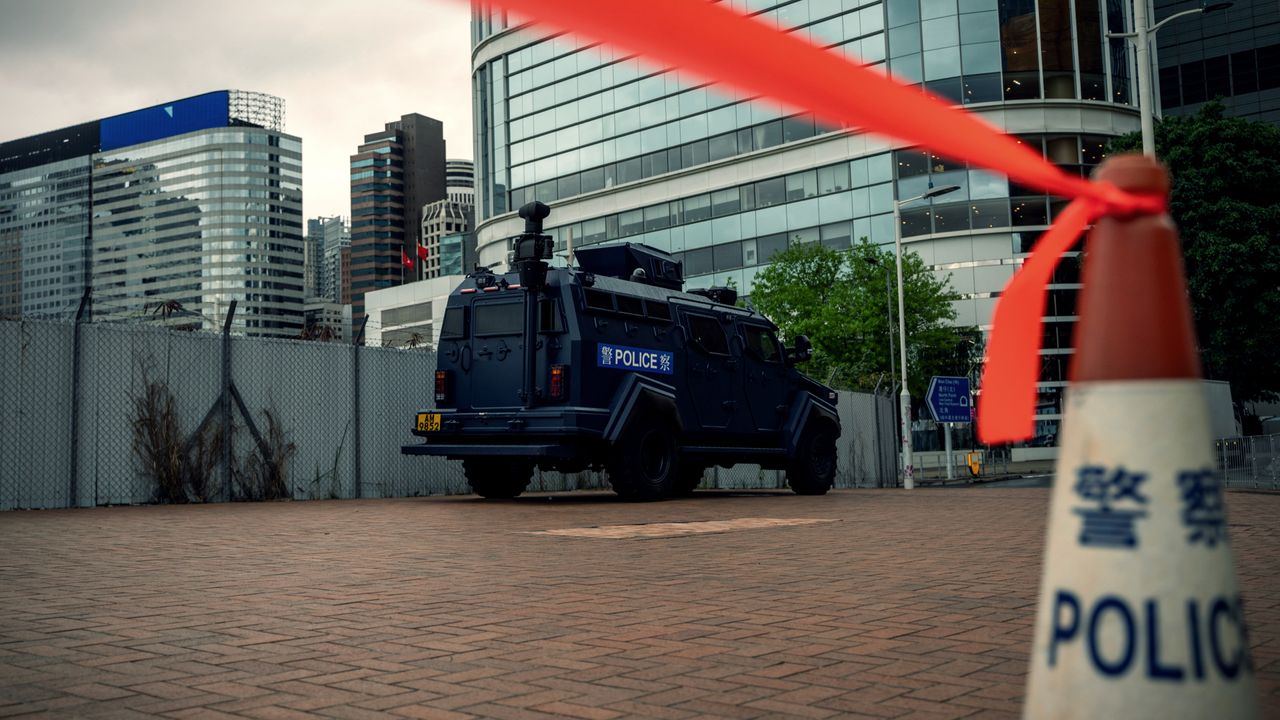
[
  {"x": 552, "y": 433},
  {"x": 540, "y": 450}
]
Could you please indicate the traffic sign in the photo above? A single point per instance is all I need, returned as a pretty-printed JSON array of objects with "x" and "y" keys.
[{"x": 948, "y": 399}]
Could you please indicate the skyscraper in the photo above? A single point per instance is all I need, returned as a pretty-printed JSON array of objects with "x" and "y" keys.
[
  {"x": 446, "y": 224},
  {"x": 393, "y": 174},
  {"x": 623, "y": 150},
  {"x": 313, "y": 258},
  {"x": 329, "y": 235},
  {"x": 168, "y": 212}
]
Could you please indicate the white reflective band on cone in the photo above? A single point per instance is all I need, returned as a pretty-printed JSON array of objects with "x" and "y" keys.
[{"x": 1139, "y": 613}]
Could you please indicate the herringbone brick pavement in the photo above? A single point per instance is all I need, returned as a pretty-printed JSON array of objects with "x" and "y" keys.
[{"x": 912, "y": 604}]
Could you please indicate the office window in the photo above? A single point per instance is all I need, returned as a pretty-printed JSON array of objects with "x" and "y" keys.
[
  {"x": 1193, "y": 90},
  {"x": 1244, "y": 73},
  {"x": 1170, "y": 92}
]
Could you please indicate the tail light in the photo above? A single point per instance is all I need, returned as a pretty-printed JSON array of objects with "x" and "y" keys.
[
  {"x": 556, "y": 389},
  {"x": 444, "y": 391}
]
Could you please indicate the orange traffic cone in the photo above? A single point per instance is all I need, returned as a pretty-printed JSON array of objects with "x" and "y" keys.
[{"x": 1139, "y": 613}]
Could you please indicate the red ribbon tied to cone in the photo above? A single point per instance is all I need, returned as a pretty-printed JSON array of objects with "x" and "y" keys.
[{"x": 716, "y": 43}]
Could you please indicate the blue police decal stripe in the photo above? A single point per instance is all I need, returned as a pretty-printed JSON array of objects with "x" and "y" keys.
[{"x": 620, "y": 357}]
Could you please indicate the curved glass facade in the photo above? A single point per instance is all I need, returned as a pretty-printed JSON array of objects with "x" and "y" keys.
[
  {"x": 201, "y": 219},
  {"x": 624, "y": 150},
  {"x": 43, "y": 263},
  {"x": 558, "y": 120}
]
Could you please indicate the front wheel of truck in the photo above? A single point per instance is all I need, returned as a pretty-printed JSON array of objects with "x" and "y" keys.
[
  {"x": 498, "y": 478},
  {"x": 642, "y": 466},
  {"x": 812, "y": 471}
]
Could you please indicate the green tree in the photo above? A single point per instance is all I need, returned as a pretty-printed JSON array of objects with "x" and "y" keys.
[
  {"x": 1226, "y": 176},
  {"x": 839, "y": 299}
]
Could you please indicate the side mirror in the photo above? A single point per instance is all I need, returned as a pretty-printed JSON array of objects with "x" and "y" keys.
[{"x": 801, "y": 352}]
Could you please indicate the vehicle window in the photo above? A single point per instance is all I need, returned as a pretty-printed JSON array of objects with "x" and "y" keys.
[
  {"x": 630, "y": 305},
  {"x": 658, "y": 310},
  {"x": 551, "y": 318},
  {"x": 598, "y": 299},
  {"x": 762, "y": 342},
  {"x": 455, "y": 323},
  {"x": 499, "y": 318},
  {"x": 708, "y": 335}
]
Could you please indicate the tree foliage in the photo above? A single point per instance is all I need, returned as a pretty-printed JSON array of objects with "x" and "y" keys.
[
  {"x": 841, "y": 301},
  {"x": 1225, "y": 201}
]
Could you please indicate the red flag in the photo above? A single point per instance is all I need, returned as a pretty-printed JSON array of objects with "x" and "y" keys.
[
  {"x": 422, "y": 253},
  {"x": 405, "y": 259}
]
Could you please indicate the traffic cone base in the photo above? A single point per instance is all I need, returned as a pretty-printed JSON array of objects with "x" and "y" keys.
[{"x": 1139, "y": 614}]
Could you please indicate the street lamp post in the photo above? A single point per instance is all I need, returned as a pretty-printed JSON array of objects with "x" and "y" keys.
[
  {"x": 888, "y": 304},
  {"x": 904, "y": 399},
  {"x": 1142, "y": 37}
]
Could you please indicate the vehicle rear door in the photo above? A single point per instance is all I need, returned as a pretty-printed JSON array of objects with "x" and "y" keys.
[{"x": 497, "y": 365}]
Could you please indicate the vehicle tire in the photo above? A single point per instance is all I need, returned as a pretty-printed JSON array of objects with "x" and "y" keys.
[
  {"x": 497, "y": 478},
  {"x": 813, "y": 470},
  {"x": 642, "y": 466},
  {"x": 688, "y": 478}
]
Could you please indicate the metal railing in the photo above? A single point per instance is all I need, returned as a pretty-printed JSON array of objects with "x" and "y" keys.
[{"x": 1249, "y": 462}]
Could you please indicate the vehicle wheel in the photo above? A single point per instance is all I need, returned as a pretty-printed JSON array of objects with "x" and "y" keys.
[
  {"x": 497, "y": 478},
  {"x": 813, "y": 470},
  {"x": 643, "y": 463},
  {"x": 688, "y": 478}
]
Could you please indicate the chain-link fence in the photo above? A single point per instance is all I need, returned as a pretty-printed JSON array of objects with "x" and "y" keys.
[
  {"x": 1249, "y": 462},
  {"x": 105, "y": 413}
]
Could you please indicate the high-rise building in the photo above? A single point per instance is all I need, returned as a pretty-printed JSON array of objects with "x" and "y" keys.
[
  {"x": 326, "y": 236},
  {"x": 393, "y": 174},
  {"x": 169, "y": 212},
  {"x": 450, "y": 218},
  {"x": 337, "y": 237},
  {"x": 44, "y": 221},
  {"x": 459, "y": 174},
  {"x": 344, "y": 269},
  {"x": 313, "y": 258},
  {"x": 623, "y": 150},
  {"x": 1232, "y": 54}
]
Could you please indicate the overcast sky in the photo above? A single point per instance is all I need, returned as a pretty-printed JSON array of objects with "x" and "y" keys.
[{"x": 343, "y": 67}]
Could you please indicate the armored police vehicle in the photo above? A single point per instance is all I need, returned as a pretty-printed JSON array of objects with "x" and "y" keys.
[{"x": 610, "y": 365}]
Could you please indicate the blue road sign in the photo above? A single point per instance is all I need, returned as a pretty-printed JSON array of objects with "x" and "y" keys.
[{"x": 949, "y": 400}]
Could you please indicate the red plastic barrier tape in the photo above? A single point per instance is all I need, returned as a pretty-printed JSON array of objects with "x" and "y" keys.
[{"x": 715, "y": 42}]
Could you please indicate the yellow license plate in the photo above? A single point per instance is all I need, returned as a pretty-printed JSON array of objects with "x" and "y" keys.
[{"x": 429, "y": 422}]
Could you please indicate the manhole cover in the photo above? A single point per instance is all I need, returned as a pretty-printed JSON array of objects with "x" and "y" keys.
[{"x": 661, "y": 530}]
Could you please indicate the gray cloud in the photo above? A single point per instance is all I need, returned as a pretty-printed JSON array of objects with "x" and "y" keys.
[{"x": 343, "y": 67}]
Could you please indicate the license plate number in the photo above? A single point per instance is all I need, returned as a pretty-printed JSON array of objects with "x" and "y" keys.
[{"x": 429, "y": 422}]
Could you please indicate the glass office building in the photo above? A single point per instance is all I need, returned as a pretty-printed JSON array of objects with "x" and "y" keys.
[
  {"x": 1232, "y": 55},
  {"x": 393, "y": 174},
  {"x": 166, "y": 213},
  {"x": 624, "y": 150}
]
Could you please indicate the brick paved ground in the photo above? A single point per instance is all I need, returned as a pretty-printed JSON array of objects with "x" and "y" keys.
[{"x": 910, "y": 605}]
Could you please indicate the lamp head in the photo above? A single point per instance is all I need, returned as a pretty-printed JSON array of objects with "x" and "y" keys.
[{"x": 935, "y": 192}]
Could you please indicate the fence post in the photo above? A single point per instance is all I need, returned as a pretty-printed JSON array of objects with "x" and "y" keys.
[
  {"x": 1271, "y": 447},
  {"x": 224, "y": 401},
  {"x": 875, "y": 413},
  {"x": 73, "y": 487},
  {"x": 355, "y": 407}
]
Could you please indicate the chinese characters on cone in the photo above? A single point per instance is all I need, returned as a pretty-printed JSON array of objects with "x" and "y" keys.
[{"x": 1139, "y": 613}]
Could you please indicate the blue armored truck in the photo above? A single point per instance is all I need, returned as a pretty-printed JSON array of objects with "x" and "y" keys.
[{"x": 610, "y": 365}]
